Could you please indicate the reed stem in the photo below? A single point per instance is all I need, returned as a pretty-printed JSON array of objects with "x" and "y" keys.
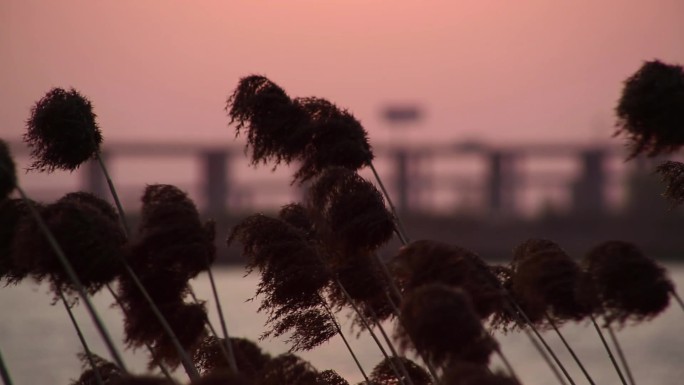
[
  {"x": 400, "y": 227},
  {"x": 610, "y": 354},
  {"x": 228, "y": 344},
  {"x": 620, "y": 353},
  {"x": 4, "y": 373},
  {"x": 212, "y": 330},
  {"x": 344, "y": 339},
  {"x": 368, "y": 327},
  {"x": 678, "y": 299},
  {"x": 567, "y": 346},
  {"x": 190, "y": 369},
  {"x": 74, "y": 279},
  {"x": 391, "y": 347},
  {"x": 86, "y": 349}
]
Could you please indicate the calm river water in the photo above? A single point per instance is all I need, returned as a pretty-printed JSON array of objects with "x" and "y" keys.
[{"x": 39, "y": 345}]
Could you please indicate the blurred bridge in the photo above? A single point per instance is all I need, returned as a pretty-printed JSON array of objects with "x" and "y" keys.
[{"x": 474, "y": 176}]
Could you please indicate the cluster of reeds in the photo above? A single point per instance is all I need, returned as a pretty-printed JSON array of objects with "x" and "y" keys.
[{"x": 319, "y": 259}]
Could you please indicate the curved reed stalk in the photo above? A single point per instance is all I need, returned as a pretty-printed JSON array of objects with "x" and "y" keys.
[
  {"x": 228, "y": 345},
  {"x": 395, "y": 355},
  {"x": 74, "y": 278},
  {"x": 567, "y": 346},
  {"x": 401, "y": 233},
  {"x": 678, "y": 299},
  {"x": 610, "y": 353},
  {"x": 621, "y": 355},
  {"x": 368, "y": 327},
  {"x": 86, "y": 349},
  {"x": 4, "y": 373}
]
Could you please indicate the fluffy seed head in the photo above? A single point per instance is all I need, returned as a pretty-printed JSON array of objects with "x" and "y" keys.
[
  {"x": 630, "y": 285},
  {"x": 383, "y": 373},
  {"x": 108, "y": 371},
  {"x": 288, "y": 369},
  {"x": 250, "y": 359},
  {"x": 651, "y": 109},
  {"x": 12, "y": 213},
  {"x": 8, "y": 171},
  {"x": 330, "y": 377},
  {"x": 672, "y": 173},
  {"x": 441, "y": 324},
  {"x": 62, "y": 131},
  {"x": 464, "y": 373}
]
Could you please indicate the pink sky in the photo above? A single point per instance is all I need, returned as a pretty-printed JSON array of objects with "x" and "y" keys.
[{"x": 496, "y": 70}]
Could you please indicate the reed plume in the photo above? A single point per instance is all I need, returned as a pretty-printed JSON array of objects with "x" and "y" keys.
[
  {"x": 143, "y": 380},
  {"x": 545, "y": 281},
  {"x": 430, "y": 262},
  {"x": 651, "y": 109},
  {"x": 463, "y": 373},
  {"x": 209, "y": 357},
  {"x": 384, "y": 374},
  {"x": 12, "y": 213},
  {"x": 223, "y": 378},
  {"x": 672, "y": 173},
  {"x": 8, "y": 171},
  {"x": 87, "y": 233},
  {"x": 62, "y": 131},
  {"x": 108, "y": 371},
  {"x": 455, "y": 335},
  {"x": 288, "y": 369},
  {"x": 330, "y": 377},
  {"x": 276, "y": 127},
  {"x": 630, "y": 285},
  {"x": 337, "y": 139}
]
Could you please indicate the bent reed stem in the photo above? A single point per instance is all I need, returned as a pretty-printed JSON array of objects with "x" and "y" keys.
[
  {"x": 610, "y": 353},
  {"x": 368, "y": 327},
  {"x": 678, "y": 299},
  {"x": 570, "y": 350},
  {"x": 400, "y": 226},
  {"x": 620, "y": 353},
  {"x": 344, "y": 339},
  {"x": 86, "y": 349},
  {"x": 4, "y": 373},
  {"x": 229, "y": 345},
  {"x": 390, "y": 346},
  {"x": 75, "y": 280},
  {"x": 189, "y": 367}
]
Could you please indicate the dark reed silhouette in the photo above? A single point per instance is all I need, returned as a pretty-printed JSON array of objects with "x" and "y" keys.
[
  {"x": 8, "y": 171},
  {"x": 288, "y": 369},
  {"x": 455, "y": 335},
  {"x": 544, "y": 281},
  {"x": 650, "y": 111},
  {"x": 109, "y": 372},
  {"x": 348, "y": 211},
  {"x": 12, "y": 213},
  {"x": 313, "y": 131},
  {"x": 223, "y": 378},
  {"x": 384, "y": 374},
  {"x": 62, "y": 131},
  {"x": 331, "y": 377},
  {"x": 293, "y": 277},
  {"x": 463, "y": 373},
  {"x": 89, "y": 235},
  {"x": 629, "y": 284},
  {"x": 672, "y": 173},
  {"x": 143, "y": 380},
  {"x": 250, "y": 358},
  {"x": 426, "y": 262}
]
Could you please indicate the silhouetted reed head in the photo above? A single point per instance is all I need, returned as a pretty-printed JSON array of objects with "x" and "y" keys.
[
  {"x": 142, "y": 380},
  {"x": 330, "y": 377},
  {"x": 209, "y": 357},
  {"x": 276, "y": 127},
  {"x": 306, "y": 327},
  {"x": 440, "y": 323},
  {"x": 108, "y": 371},
  {"x": 463, "y": 373},
  {"x": 425, "y": 262},
  {"x": 90, "y": 238},
  {"x": 292, "y": 270},
  {"x": 62, "y": 131},
  {"x": 337, "y": 139},
  {"x": 351, "y": 212},
  {"x": 651, "y": 109},
  {"x": 223, "y": 378},
  {"x": 545, "y": 280},
  {"x": 187, "y": 321},
  {"x": 12, "y": 213},
  {"x": 171, "y": 236},
  {"x": 288, "y": 369},
  {"x": 630, "y": 285},
  {"x": 672, "y": 173},
  {"x": 8, "y": 171},
  {"x": 383, "y": 373},
  {"x": 296, "y": 215}
]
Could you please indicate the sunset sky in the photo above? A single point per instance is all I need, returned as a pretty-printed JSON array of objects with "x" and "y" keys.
[{"x": 496, "y": 70}]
